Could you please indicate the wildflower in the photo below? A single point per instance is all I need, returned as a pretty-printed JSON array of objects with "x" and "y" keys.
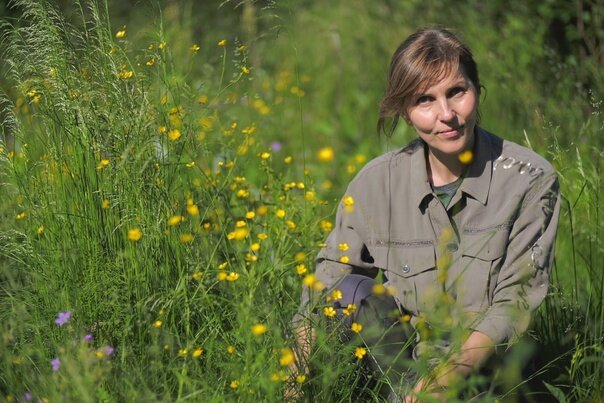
[
  {"x": 175, "y": 220},
  {"x": 343, "y": 246},
  {"x": 162, "y": 129},
  {"x": 276, "y": 146},
  {"x": 222, "y": 42},
  {"x": 27, "y": 396},
  {"x": 301, "y": 269},
  {"x": 40, "y": 230},
  {"x": 344, "y": 259},
  {"x": 183, "y": 352},
  {"x": 221, "y": 276},
  {"x": 174, "y": 134},
  {"x": 242, "y": 193},
  {"x": 150, "y": 62},
  {"x": 108, "y": 350},
  {"x": 88, "y": 338},
  {"x": 203, "y": 99},
  {"x": 105, "y": 204},
  {"x": 230, "y": 349},
  {"x": 348, "y": 201},
  {"x": 351, "y": 168},
  {"x": 197, "y": 275},
  {"x": 55, "y": 364},
  {"x": 329, "y": 311},
  {"x": 198, "y": 352},
  {"x": 356, "y": 327},
  {"x": 288, "y": 160},
  {"x": 325, "y": 154},
  {"x": 186, "y": 237},
  {"x": 405, "y": 318},
  {"x": 135, "y": 234},
  {"x": 262, "y": 236},
  {"x": 325, "y": 225},
  {"x": 378, "y": 289},
  {"x": 234, "y": 384},
  {"x": 21, "y": 215},
  {"x": 245, "y": 70},
  {"x": 194, "y": 48},
  {"x": 287, "y": 357},
  {"x": 193, "y": 210},
  {"x": 466, "y": 157},
  {"x": 222, "y": 266},
  {"x": 102, "y": 164},
  {"x": 360, "y": 352},
  {"x": 309, "y": 196},
  {"x": 157, "y": 324},
  {"x": 255, "y": 247},
  {"x": 280, "y": 213},
  {"x": 300, "y": 378},
  {"x": 232, "y": 276},
  {"x": 250, "y": 215},
  {"x": 161, "y": 45},
  {"x": 125, "y": 74},
  {"x": 291, "y": 225},
  {"x": 259, "y": 329},
  {"x": 336, "y": 295},
  {"x": 265, "y": 155},
  {"x": 350, "y": 309},
  {"x": 279, "y": 376},
  {"x": 190, "y": 164},
  {"x": 121, "y": 34},
  {"x": 62, "y": 318},
  {"x": 262, "y": 210}
]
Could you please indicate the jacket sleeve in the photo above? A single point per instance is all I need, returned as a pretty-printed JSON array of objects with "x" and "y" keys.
[
  {"x": 523, "y": 280},
  {"x": 344, "y": 251}
]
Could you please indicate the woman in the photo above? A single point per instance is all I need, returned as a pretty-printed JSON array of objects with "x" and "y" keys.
[{"x": 458, "y": 221}]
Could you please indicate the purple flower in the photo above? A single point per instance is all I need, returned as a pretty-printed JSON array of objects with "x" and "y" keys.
[
  {"x": 55, "y": 363},
  {"x": 63, "y": 318},
  {"x": 276, "y": 146},
  {"x": 27, "y": 396},
  {"x": 109, "y": 350},
  {"x": 88, "y": 338}
]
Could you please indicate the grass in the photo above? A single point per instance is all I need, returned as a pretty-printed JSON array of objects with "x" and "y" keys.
[{"x": 173, "y": 199}]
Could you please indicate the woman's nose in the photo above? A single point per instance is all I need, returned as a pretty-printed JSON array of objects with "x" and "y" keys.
[{"x": 446, "y": 112}]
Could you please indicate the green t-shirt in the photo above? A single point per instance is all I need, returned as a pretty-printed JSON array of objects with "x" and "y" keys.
[{"x": 445, "y": 192}]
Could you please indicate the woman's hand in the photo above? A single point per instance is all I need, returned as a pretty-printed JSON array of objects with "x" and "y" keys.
[{"x": 426, "y": 388}]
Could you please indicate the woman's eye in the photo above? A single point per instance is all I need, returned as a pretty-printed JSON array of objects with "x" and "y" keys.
[
  {"x": 423, "y": 99},
  {"x": 456, "y": 91}
]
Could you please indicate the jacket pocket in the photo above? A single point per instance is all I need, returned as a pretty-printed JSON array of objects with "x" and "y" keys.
[
  {"x": 473, "y": 279},
  {"x": 410, "y": 268}
]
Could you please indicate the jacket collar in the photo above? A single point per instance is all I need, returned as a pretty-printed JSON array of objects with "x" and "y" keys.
[{"x": 477, "y": 181}]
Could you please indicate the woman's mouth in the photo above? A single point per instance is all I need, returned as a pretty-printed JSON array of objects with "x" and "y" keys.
[{"x": 451, "y": 132}]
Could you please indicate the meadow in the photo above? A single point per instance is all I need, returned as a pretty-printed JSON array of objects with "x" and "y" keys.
[{"x": 169, "y": 172}]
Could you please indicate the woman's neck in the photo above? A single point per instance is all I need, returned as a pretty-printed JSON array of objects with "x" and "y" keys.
[{"x": 443, "y": 168}]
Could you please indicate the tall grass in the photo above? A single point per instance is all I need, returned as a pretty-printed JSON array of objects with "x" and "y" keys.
[{"x": 170, "y": 197}]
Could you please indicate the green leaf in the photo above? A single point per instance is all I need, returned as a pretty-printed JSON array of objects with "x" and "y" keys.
[{"x": 556, "y": 392}]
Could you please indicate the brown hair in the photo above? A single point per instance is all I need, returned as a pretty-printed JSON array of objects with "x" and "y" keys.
[{"x": 420, "y": 61}]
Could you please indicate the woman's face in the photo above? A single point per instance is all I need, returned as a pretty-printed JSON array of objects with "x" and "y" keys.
[{"x": 444, "y": 115}]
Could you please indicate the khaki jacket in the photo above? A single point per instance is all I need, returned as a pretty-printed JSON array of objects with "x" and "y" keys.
[{"x": 490, "y": 252}]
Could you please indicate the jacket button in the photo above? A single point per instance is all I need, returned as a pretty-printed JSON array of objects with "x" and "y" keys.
[
  {"x": 452, "y": 247},
  {"x": 406, "y": 269}
]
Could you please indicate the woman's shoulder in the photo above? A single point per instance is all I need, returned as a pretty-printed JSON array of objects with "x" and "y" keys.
[{"x": 377, "y": 167}]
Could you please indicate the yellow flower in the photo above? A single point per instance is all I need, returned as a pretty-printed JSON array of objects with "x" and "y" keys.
[
  {"x": 262, "y": 210},
  {"x": 405, "y": 318},
  {"x": 309, "y": 280},
  {"x": 203, "y": 99},
  {"x": 221, "y": 276},
  {"x": 288, "y": 160},
  {"x": 174, "y": 134},
  {"x": 230, "y": 349},
  {"x": 190, "y": 164},
  {"x": 193, "y": 210},
  {"x": 348, "y": 201},
  {"x": 186, "y": 237},
  {"x": 183, "y": 352},
  {"x": 197, "y": 352},
  {"x": 135, "y": 234},
  {"x": 350, "y": 309},
  {"x": 99, "y": 354},
  {"x": 255, "y": 247},
  {"x": 157, "y": 324},
  {"x": 21, "y": 215},
  {"x": 466, "y": 157},
  {"x": 175, "y": 220},
  {"x": 325, "y": 154},
  {"x": 232, "y": 276},
  {"x": 360, "y": 352},
  {"x": 336, "y": 295},
  {"x": 222, "y": 42},
  {"x": 378, "y": 289},
  {"x": 300, "y": 257},
  {"x": 102, "y": 164},
  {"x": 150, "y": 62},
  {"x": 245, "y": 70},
  {"x": 356, "y": 327},
  {"x": 250, "y": 215},
  {"x": 309, "y": 196},
  {"x": 280, "y": 213},
  {"x": 343, "y": 246},
  {"x": 259, "y": 329},
  {"x": 300, "y": 378},
  {"x": 290, "y": 224},
  {"x": 287, "y": 357},
  {"x": 234, "y": 384},
  {"x": 300, "y": 269},
  {"x": 194, "y": 48},
  {"x": 325, "y": 225},
  {"x": 40, "y": 230},
  {"x": 125, "y": 74},
  {"x": 329, "y": 311},
  {"x": 105, "y": 204},
  {"x": 344, "y": 259},
  {"x": 121, "y": 34},
  {"x": 262, "y": 236},
  {"x": 162, "y": 129},
  {"x": 265, "y": 155},
  {"x": 222, "y": 266}
]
